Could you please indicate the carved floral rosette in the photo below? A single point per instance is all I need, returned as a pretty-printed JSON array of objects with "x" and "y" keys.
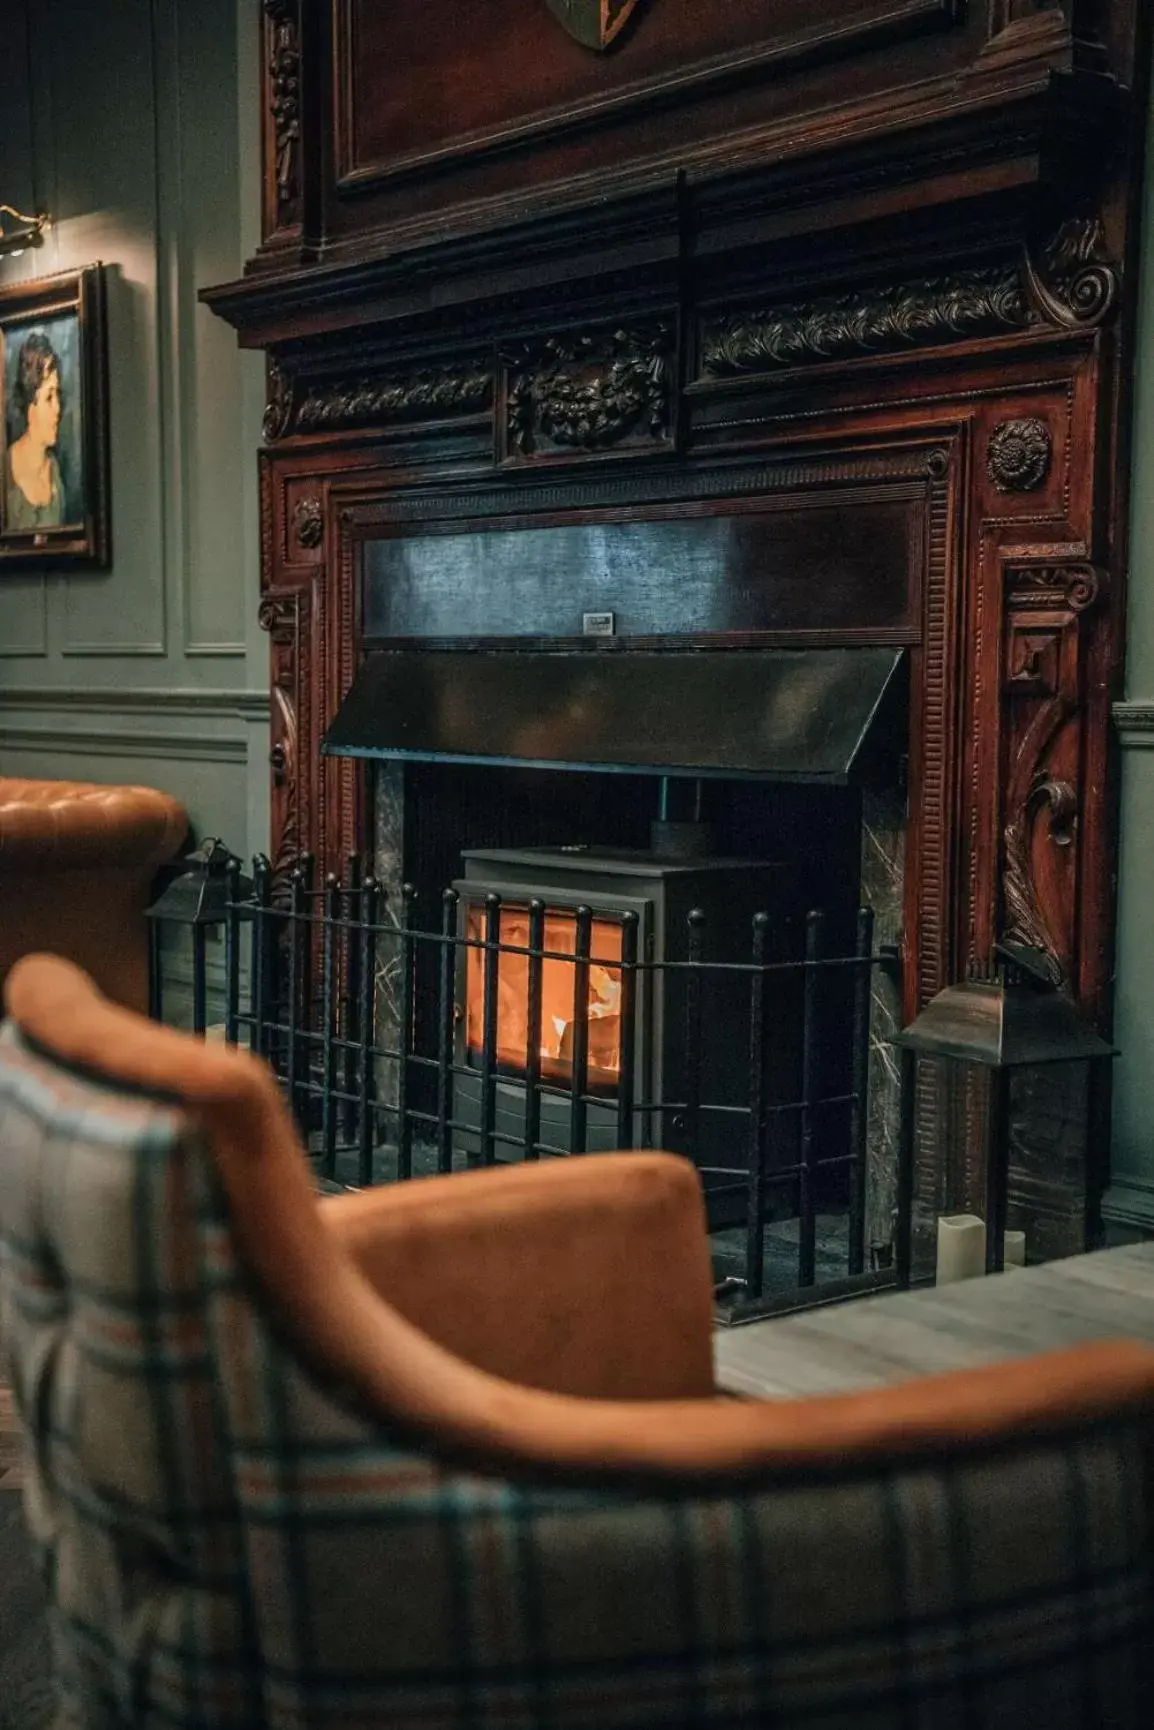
[{"x": 1018, "y": 455}]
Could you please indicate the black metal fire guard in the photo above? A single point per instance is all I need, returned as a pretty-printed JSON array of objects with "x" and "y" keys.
[{"x": 356, "y": 1002}]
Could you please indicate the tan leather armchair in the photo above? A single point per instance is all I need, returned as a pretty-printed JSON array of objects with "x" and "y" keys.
[
  {"x": 449, "y": 1454},
  {"x": 76, "y": 864}
]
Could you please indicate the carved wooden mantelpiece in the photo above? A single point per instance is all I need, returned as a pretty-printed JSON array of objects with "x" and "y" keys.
[{"x": 857, "y": 264}]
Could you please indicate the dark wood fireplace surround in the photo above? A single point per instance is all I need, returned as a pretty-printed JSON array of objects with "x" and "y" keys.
[{"x": 865, "y": 264}]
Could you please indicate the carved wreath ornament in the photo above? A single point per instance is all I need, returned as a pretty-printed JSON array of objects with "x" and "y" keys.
[
  {"x": 1018, "y": 455},
  {"x": 584, "y": 393}
]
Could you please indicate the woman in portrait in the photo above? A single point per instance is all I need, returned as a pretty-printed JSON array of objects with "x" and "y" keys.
[{"x": 34, "y": 491}]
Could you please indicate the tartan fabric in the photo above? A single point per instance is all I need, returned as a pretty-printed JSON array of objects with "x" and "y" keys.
[{"x": 226, "y": 1544}]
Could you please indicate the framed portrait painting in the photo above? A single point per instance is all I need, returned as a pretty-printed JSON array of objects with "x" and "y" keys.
[{"x": 54, "y": 422}]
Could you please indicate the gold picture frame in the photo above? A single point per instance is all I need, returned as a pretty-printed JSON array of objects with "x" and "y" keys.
[{"x": 54, "y": 487}]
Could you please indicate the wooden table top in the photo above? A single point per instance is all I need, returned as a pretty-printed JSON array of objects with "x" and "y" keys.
[{"x": 872, "y": 1342}]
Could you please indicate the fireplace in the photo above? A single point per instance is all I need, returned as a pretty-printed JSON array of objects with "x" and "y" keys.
[
  {"x": 698, "y": 831},
  {"x": 624, "y": 871},
  {"x": 760, "y": 333}
]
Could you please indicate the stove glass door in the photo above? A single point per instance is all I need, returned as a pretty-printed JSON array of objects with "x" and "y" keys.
[{"x": 558, "y": 986}]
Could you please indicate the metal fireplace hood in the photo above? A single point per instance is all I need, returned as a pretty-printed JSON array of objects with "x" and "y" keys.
[{"x": 785, "y": 714}]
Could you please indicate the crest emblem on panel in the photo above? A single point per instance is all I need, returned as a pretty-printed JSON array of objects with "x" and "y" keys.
[{"x": 594, "y": 23}]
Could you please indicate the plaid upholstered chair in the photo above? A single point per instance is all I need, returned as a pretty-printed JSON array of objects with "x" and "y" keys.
[{"x": 449, "y": 1455}]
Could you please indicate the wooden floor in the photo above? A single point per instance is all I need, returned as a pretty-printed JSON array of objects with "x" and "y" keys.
[{"x": 875, "y": 1342}]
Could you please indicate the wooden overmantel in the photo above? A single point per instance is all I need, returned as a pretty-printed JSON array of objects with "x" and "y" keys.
[{"x": 844, "y": 251}]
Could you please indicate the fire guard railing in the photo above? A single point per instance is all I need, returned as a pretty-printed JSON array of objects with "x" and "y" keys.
[{"x": 356, "y": 1002}]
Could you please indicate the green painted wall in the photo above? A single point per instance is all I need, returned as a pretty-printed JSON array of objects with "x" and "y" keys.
[
  {"x": 134, "y": 125},
  {"x": 1130, "y": 1200}
]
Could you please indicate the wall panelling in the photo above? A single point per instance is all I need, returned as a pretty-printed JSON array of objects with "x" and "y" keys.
[{"x": 126, "y": 123}]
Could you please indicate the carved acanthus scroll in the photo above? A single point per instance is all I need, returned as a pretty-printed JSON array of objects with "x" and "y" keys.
[
  {"x": 1068, "y": 284},
  {"x": 1072, "y": 284},
  {"x": 932, "y": 309},
  {"x": 296, "y": 406},
  {"x": 1025, "y": 919},
  {"x": 1041, "y": 588},
  {"x": 427, "y": 394},
  {"x": 1045, "y": 606}
]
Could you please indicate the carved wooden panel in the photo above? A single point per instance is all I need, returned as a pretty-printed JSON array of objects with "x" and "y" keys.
[
  {"x": 1049, "y": 800},
  {"x": 285, "y": 617},
  {"x": 518, "y": 76},
  {"x": 1047, "y": 606},
  {"x": 282, "y": 117}
]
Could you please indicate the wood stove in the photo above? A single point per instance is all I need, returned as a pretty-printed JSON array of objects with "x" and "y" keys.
[{"x": 647, "y": 1080}]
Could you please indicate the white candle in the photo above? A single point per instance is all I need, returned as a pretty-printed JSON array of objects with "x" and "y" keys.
[
  {"x": 1015, "y": 1248},
  {"x": 961, "y": 1247}
]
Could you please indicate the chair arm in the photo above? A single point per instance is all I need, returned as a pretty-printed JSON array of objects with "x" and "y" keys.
[
  {"x": 589, "y": 1276},
  {"x": 76, "y": 825},
  {"x": 76, "y": 866}
]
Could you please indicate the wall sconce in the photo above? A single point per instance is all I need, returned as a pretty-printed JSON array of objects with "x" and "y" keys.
[{"x": 18, "y": 231}]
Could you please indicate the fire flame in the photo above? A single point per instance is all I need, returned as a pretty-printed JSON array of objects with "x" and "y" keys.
[{"x": 558, "y": 984}]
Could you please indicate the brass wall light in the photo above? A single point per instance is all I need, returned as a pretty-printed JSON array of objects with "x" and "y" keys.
[{"x": 18, "y": 231}]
